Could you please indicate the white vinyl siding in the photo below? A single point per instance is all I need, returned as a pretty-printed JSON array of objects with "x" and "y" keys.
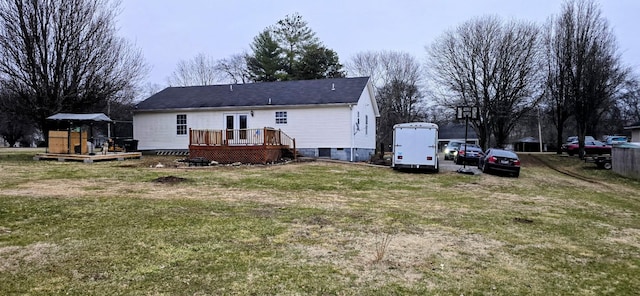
[{"x": 321, "y": 126}]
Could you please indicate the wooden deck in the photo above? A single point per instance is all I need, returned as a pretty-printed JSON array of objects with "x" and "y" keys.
[
  {"x": 263, "y": 145},
  {"x": 86, "y": 158}
]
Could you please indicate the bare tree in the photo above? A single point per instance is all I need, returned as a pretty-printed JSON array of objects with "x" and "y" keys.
[
  {"x": 234, "y": 68},
  {"x": 629, "y": 101},
  {"x": 59, "y": 55},
  {"x": 585, "y": 47},
  {"x": 200, "y": 70},
  {"x": 556, "y": 47},
  {"x": 397, "y": 77},
  {"x": 492, "y": 65},
  {"x": 14, "y": 127}
]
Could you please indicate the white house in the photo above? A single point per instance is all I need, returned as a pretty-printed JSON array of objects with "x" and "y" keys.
[{"x": 334, "y": 118}]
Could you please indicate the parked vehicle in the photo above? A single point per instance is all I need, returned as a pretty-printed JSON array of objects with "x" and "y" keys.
[
  {"x": 468, "y": 153},
  {"x": 415, "y": 146},
  {"x": 451, "y": 148},
  {"x": 574, "y": 139},
  {"x": 590, "y": 147},
  {"x": 498, "y": 160},
  {"x": 613, "y": 140}
]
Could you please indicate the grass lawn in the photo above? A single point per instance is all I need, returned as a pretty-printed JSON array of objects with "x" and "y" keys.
[{"x": 110, "y": 228}]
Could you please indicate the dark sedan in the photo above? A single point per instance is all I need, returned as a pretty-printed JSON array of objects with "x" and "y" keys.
[
  {"x": 590, "y": 147},
  {"x": 468, "y": 153},
  {"x": 498, "y": 160}
]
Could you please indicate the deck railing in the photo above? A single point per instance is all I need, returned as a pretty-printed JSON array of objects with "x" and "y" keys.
[{"x": 239, "y": 137}]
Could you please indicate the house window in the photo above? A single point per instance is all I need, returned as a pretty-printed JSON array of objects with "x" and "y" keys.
[
  {"x": 181, "y": 124},
  {"x": 366, "y": 124},
  {"x": 281, "y": 117}
]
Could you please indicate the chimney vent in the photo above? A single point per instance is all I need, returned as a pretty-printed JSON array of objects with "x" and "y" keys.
[{"x": 333, "y": 86}]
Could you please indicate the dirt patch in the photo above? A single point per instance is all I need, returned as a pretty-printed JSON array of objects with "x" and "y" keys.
[
  {"x": 169, "y": 180},
  {"x": 13, "y": 258},
  {"x": 406, "y": 257},
  {"x": 531, "y": 161}
]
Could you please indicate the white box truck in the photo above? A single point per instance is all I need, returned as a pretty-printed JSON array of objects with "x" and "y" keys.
[{"x": 415, "y": 146}]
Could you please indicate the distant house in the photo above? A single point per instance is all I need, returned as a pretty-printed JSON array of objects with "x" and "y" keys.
[
  {"x": 527, "y": 144},
  {"x": 455, "y": 132},
  {"x": 333, "y": 118}
]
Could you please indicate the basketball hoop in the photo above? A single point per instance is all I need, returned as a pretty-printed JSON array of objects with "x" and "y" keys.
[{"x": 467, "y": 112}]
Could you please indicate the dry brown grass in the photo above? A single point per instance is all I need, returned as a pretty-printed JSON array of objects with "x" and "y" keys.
[{"x": 441, "y": 233}]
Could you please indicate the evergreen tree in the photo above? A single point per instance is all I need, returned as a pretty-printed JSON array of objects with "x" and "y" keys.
[
  {"x": 266, "y": 63},
  {"x": 317, "y": 62},
  {"x": 289, "y": 50}
]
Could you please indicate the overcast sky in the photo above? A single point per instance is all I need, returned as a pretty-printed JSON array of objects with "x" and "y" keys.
[{"x": 168, "y": 31}]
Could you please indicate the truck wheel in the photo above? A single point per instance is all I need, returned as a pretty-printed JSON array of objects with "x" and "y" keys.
[{"x": 607, "y": 166}]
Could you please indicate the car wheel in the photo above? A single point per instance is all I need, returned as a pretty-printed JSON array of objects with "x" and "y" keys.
[
  {"x": 516, "y": 175},
  {"x": 458, "y": 161},
  {"x": 485, "y": 169},
  {"x": 570, "y": 153},
  {"x": 607, "y": 166}
]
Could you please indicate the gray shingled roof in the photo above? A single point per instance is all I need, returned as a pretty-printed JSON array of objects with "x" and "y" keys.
[{"x": 283, "y": 93}]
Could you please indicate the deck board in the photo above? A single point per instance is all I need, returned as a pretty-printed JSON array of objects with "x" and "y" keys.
[{"x": 88, "y": 158}]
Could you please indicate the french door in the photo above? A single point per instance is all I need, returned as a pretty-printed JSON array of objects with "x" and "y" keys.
[{"x": 236, "y": 127}]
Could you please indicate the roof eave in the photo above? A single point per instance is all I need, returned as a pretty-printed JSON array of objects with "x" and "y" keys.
[{"x": 228, "y": 108}]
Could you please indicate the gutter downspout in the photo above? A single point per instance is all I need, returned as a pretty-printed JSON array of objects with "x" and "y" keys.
[{"x": 352, "y": 132}]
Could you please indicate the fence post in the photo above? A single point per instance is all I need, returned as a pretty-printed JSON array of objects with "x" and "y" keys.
[{"x": 295, "y": 153}]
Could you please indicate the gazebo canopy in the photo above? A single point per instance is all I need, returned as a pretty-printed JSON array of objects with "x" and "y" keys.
[{"x": 80, "y": 117}]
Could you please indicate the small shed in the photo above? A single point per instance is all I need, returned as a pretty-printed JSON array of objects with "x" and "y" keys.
[
  {"x": 70, "y": 141},
  {"x": 635, "y": 131}
]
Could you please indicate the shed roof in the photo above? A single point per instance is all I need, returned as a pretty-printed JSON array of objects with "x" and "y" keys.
[
  {"x": 635, "y": 125},
  {"x": 79, "y": 117},
  {"x": 528, "y": 140},
  {"x": 282, "y": 93}
]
